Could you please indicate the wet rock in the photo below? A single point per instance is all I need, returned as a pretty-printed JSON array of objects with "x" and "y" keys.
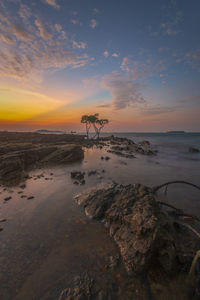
[
  {"x": 82, "y": 289},
  {"x": 90, "y": 173},
  {"x": 76, "y": 182},
  {"x": 145, "y": 143},
  {"x": 113, "y": 262},
  {"x": 77, "y": 175},
  {"x": 22, "y": 186},
  {"x": 193, "y": 150},
  {"x": 7, "y": 198},
  {"x": 143, "y": 233}
]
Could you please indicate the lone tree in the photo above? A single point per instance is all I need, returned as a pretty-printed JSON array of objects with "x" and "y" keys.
[
  {"x": 97, "y": 123},
  {"x": 85, "y": 119}
]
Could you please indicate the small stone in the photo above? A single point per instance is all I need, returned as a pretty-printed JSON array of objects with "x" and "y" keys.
[
  {"x": 20, "y": 192},
  {"x": 1, "y": 229},
  {"x": 102, "y": 157},
  {"x": 107, "y": 158},
  {"x": 7, "y": 198},
  {"x": 31, "y": 197},
  {"x": 76, "y": 182},
  {"x": 23, "y": 196},
  {"x": 22, "y": 186}
]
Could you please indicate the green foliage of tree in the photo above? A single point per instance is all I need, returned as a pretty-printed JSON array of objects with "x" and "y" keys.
[{"x": 97, "y": 123}]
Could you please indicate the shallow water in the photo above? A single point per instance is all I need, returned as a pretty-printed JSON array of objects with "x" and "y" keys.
[{"x": 47, "y": 240}]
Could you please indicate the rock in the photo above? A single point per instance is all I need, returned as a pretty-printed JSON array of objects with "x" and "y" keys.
[
  {"x": 7, "y": 198},
  {"x": 22, "y": 186},
  {"x": 145, "y": 143},
  {"x": 143, "y": 233},
  {"x": 77, "y": 175},
  {"x": 113, "y": 261},
  {"x": 23, "y": 196},
  {"x": 92, "y": 172},
  {"x": 193, "y": 150},
  {"x": 31, "y": 197},
  {"x": 82, "y": 182},
  {"x": 102, "y": 157},
  {"x": 1, "y": 229},
  {"x": 81, "y": 290},
  {"x": 76, "y": 182},
  {"x": 107, "y": 158},
  {"x": 20, "y": 192},
  {"x": 2, "y": 220}
]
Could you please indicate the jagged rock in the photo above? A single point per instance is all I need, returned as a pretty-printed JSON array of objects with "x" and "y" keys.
[
  {"x": 81, "y": 290},
  {"x": 143, "y": 233}
]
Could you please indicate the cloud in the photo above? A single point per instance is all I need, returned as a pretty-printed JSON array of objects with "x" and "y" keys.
[
  {"x": 24, "y": 11},
  {"x": 44, "y": 31},
  {"x": 125, "y": 92},
  {"x": 80, "y": 45},
  {"x": 142, "y": 69},
  {"x": 75, "y": 21},
  {"x": 52, "y": 3},
  {"x": 103, "y": 105},
  {"x": 115, "y": 55},
  {"x": 159, "y": 109},
  {"x": 171, "y": 27},
  {"x": 29, "y": 47},
  {"x": 192, "y": 58},
  {"x": 106, "y": 53},
  {"x": 93, "y": 23},
  {"x": 96, "y": 11}
]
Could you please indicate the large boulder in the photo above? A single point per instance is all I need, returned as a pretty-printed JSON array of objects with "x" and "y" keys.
[{"x": 143, "y": 233}]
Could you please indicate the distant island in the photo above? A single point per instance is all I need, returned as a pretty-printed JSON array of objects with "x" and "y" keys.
[
  {"x": 50, "y": 131},
  {"x": 175, "y": 131}
]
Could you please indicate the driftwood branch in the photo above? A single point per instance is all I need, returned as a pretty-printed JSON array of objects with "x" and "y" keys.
[{"x": 156, "y": 188}]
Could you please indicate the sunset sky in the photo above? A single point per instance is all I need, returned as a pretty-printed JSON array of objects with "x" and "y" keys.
[{"x": 136, "y": 62}]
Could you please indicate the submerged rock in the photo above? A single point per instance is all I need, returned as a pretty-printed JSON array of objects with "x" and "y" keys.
[{"x": 143, "y": 233}]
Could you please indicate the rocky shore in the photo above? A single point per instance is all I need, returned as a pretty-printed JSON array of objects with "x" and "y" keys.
[
  {"x": 21, "y": 152},
  {"x": 151, "y": 240}
]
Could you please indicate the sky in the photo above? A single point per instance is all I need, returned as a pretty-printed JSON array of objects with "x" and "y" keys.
[{"x": 135, "y": 62}]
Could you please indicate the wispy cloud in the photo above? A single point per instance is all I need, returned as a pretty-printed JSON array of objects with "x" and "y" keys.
[
  {"x": 30, "y": 46},
  {"x": 52, "y": 3},
  {"x": 93, "y": 23},
  {"x": 44, "y": 31},
  {"x": 125, "y": 92},
  {"x": 158, "y": 109},
  {"x": 79, "y": 45},
  {"x": 76, "y": 22},
  {"x": 115, "y": 54},
  {"x": 96, "y": 11},
  {"x": 143, "y": 68}
]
